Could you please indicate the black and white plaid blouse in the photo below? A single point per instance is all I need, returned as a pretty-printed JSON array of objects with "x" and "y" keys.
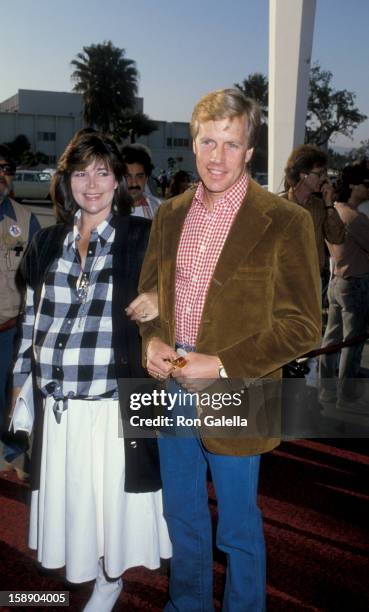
[{"x": 71, "y": 334}]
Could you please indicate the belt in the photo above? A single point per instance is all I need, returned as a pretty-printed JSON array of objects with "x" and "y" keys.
[
  {"x": 53, "y": 389},
  {"x": 8, "y": 324}
]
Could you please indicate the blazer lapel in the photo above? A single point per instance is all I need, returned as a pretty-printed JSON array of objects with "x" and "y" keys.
[
  {"x": 251, "y": 221},
  {"x": 172, "y": 230}
]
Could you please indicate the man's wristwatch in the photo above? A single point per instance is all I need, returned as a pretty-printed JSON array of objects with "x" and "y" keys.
[{"x": 222, "y": 371}]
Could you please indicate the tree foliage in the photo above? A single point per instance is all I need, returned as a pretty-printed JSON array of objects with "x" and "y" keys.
[
  {"x": 330, "y": 111},
  {"x": 256, "y": 87},
  {"x": 31, "y": 159},
  {"x": 19, "y": 146},
  {"x": 108, "y": 82},
  {"x": 21, "y": 152},
  {"x": 132, "y": 125},
  {"x": 362, "y": 151},
  {"x": 338, "y": 160}
]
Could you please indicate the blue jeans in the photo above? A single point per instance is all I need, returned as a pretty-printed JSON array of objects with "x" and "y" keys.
[
  {"x": 11, "y": 449},
  {"x": 184, "y": 462},
  {"x": 347, "y": 317}
]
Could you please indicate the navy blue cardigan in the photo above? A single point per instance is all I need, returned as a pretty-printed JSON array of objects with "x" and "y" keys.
[{"x": 131, "y": 238}]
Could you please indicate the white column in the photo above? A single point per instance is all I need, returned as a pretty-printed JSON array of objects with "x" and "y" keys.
[{"x": 291, "y": 27}]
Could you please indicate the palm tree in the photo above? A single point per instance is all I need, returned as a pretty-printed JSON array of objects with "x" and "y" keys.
[
  {"x": 108, "y": 82},
  {"x": 256, "y": 87}
]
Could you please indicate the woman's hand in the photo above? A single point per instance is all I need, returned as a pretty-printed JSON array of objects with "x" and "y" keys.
[
  {"x": 159, "y": 359},
  {"x": 144, "y": 307}
]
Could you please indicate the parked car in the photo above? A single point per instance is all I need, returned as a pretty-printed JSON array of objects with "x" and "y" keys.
[{"x": 31, "y": 185}]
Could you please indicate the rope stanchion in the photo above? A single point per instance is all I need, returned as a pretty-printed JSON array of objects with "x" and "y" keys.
[{"x": 334, "y": 348}]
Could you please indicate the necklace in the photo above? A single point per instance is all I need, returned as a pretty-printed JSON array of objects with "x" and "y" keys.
[
  {"x": 83, "y": 285},
  {"x": 83, "y": 281}
]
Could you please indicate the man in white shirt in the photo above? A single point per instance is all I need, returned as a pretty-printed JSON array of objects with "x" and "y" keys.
[{"x": 139, "y": 167}]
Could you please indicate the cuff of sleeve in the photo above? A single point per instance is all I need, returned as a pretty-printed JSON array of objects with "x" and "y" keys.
[{"x": 238, "y": 365}]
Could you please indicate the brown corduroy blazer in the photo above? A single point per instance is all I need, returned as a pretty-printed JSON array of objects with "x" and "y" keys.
[{"x": 262, "y": 309}]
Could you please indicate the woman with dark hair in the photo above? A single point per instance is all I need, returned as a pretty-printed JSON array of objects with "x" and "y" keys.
[
  {"x": 96, "y": 505},
  {"x": 85, "y": 145}
]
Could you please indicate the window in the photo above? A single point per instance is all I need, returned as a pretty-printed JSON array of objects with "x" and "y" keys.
[
  {"x": 181, "y": 142},
  {"x": 46, "y": 136},
  {"x": 169, "y": 142}
]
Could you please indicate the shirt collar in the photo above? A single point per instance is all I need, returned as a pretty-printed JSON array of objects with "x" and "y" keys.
[
  {"x": 142, "y": 202},
  {"x": 232, "y": 199},
  {"x": 7, "y": 210},
  {"x": 102, "y": 232}
]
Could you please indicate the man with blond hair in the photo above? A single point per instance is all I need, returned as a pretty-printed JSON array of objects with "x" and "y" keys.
[{"x": 237, "y": 274}]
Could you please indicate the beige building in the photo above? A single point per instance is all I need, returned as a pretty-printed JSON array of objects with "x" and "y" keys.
[{"x": 50, "y": 118}]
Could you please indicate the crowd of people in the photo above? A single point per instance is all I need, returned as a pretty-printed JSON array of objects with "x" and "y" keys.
[
  {"x": 215, "y": 289},
  {"x": 341, "y": 228}
]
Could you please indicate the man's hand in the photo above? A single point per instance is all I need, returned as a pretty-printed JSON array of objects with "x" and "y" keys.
[
  {"x": 200, "y": 371},
  {"x": 144, "y": 307},
  {"x": 328, "y": 193},
  {"x": 159, "y": 356}
]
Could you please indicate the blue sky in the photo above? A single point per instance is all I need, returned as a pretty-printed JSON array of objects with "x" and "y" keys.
[{"x": 183, "y": 48}]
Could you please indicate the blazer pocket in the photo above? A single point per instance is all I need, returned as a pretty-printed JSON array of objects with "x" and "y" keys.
[{"x": 250, "y": 273}]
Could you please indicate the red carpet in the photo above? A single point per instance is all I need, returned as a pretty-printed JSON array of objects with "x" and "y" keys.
[{"x": 315, "y": 501}]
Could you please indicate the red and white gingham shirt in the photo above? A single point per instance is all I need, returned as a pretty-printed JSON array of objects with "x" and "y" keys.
[{"x": 203, "y": 236}]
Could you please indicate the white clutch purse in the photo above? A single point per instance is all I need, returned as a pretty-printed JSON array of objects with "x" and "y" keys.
[{"x": 24, "y": 411}]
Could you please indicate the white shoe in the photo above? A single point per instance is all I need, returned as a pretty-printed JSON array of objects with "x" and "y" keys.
[{"x": 105, "y": 593}]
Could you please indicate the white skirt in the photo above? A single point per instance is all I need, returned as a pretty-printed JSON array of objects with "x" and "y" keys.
[{"x": 81, "y": 511}]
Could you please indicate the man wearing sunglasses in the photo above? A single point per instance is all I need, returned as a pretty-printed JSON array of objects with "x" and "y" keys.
[
  {"x": 17, "y": 227},
  {"x": 307, "y": 184}
]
